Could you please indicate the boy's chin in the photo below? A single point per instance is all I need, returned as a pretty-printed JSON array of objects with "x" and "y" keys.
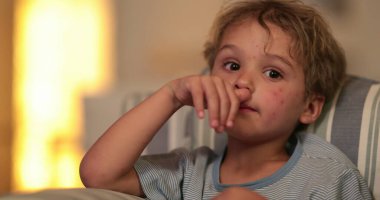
[
  {"x": 253, "y": 136},
  {"x": 244, "y": 128},
  {"x": 246, "y": 136}
]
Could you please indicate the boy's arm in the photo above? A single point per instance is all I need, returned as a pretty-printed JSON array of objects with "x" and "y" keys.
[{"x": 109, "y": 162}]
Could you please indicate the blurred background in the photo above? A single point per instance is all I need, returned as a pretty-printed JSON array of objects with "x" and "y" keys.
[{"x": 67, "y": 65}]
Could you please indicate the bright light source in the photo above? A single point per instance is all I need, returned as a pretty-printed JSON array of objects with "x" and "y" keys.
[{"x": 62, "y": 50}]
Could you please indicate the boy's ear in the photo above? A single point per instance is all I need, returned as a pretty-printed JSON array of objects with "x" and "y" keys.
[{"x": 313, "y": 109}]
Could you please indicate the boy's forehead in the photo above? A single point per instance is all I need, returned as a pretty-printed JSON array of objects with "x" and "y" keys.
[{"x": 272, "y": 38}]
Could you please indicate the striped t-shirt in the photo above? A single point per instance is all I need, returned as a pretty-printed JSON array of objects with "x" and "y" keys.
[{"x": 315, "y": 170}]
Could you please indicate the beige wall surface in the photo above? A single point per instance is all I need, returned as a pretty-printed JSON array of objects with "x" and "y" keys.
[
  {"x": 161, "y": 40},
  {"x": 357, "y": 28}
]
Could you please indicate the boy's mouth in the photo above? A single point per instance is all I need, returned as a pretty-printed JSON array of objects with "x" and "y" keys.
[{"x": 246, "y": 108}]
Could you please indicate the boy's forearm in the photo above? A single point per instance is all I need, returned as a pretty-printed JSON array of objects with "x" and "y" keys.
[{"x": 116, "y": 151}]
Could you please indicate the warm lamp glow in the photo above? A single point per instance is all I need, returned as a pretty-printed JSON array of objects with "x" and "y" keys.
[{"x": 62, "y": 50}]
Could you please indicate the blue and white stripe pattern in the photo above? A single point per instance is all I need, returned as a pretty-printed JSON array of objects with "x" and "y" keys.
[{"x": 316, "y": 170}]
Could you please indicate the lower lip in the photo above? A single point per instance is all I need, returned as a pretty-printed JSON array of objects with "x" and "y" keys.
[{"x": 246, "y": 110}]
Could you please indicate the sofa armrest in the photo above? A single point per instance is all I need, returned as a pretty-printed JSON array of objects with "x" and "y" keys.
[{"x": 72, "y": 194}]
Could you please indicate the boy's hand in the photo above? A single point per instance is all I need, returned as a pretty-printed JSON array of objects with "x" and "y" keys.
[
  {"x": 209, "y": 92},
  {"x": 238, "y": 193}
]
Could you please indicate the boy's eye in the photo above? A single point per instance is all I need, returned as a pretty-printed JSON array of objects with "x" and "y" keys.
[
  {"x": 273, "y": 74},
  {"x": 232, "y": 66}
]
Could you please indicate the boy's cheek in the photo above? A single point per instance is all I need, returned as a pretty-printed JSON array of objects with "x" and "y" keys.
[
  {"x": 277, "y": 106},
  {"x": 274, "y": 100}
]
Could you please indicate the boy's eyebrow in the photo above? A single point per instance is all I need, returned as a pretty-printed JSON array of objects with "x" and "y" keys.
[
  {"x": 282, "y": 58},
  {"x": 279, "y": 57},
  {"x": 228, "y": 46}
]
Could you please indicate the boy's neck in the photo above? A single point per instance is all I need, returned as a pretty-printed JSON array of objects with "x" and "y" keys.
[{"x": 246, "y": 163}]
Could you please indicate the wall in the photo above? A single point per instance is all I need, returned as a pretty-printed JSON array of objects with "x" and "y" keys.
[
  {"x": 6, "y": 20},
  {"x": 161, "y": 40},
  {"x": 357, "y": 28}
]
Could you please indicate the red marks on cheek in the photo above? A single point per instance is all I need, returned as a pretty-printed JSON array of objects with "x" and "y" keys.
[
  {"x": 278, "y": 97},
  {"x": 273, "y": 116},
  {"x": 276, "y": 103},
  {"x": 282, "y": 102}
]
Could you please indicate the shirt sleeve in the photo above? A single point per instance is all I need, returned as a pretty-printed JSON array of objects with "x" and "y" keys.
[
  {"x": 166, "y": 176},
  {"x": 350, "y": 185}
]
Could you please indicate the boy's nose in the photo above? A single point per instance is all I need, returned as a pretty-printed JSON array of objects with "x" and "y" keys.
[
  {"x": 243, "y": 94},
  {"x": 244, "y": 80},
  {"x": 243, "y": 88}
]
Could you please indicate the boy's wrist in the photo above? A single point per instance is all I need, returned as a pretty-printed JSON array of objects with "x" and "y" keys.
[{"x": 169, "y": 91}]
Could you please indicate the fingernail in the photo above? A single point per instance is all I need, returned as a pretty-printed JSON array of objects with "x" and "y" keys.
[
  {"x": 201, "y": 114},
  {"x": 230, "y": 124},
  {"x": 214, "y": 123}
]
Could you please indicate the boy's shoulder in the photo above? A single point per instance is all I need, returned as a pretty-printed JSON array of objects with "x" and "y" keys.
[
  {"x": 182, "y": 156},
  {"x": 317, "y": 149},
  {"x": 203, "y": 151}
]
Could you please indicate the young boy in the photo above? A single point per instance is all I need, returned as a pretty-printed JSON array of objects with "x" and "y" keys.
[{"x": 273, "y": 65}]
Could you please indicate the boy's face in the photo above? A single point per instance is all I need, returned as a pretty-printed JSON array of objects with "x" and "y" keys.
[{"x": 251, "y": 59}]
